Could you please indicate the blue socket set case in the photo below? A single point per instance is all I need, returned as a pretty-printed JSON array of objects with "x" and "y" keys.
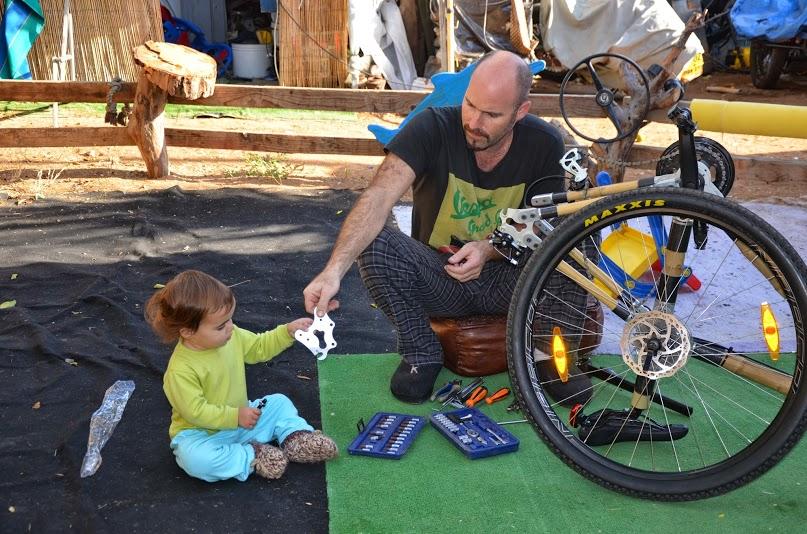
[
  {"x": 473, "y": 433},
  {"x": 387, "y": 435}
]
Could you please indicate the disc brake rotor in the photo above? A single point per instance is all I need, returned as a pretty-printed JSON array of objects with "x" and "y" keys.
[{"x": 671, "y": 336}]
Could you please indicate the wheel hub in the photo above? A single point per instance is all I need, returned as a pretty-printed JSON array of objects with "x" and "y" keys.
[
  {"x": 655, "y": 344},
  {"x": 604, "y": 98}
]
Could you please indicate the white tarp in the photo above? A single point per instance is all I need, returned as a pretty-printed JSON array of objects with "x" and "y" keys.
[
  {"x": 643, "y": 30},
  {"x": 377, "y": 29}
]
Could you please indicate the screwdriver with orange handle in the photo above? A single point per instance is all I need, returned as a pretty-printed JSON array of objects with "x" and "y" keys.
[
  {"x": 477, "y": 396},
  {"x": 499, "y": 395}
]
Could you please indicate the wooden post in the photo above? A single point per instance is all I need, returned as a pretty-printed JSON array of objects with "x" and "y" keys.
[
  {"x": 446, "y": 37},
  {"x": 167, "y": 70}
]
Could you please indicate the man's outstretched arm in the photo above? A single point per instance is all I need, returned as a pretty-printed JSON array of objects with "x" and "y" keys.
[{"x": 362, "y": 225}]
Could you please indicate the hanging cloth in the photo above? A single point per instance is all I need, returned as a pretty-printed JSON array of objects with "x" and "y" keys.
[{"x": 22, "y": 21}]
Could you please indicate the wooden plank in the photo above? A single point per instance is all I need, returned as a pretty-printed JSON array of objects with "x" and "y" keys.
[
  {"x": 64, "y": 92},
  {"x": 181, "y": 137},
  {"x": 747, "y": 167},
  {"x": 256, "y": 96},
  {"x": 263, "y": 142},
  {"x": 62, "y": 137}
]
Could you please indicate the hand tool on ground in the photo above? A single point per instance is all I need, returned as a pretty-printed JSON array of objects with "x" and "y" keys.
[
  {"x": 497, "y": 396},
  {"x": 457, "y": 398},
  {"x": 466, "y": 391},
  {"x": 450, "y": 388},
  {"x": 477, "y": 395},
  {"x": 443, "y": 389}
]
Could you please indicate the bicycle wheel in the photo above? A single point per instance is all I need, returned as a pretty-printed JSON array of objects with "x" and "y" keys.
[
  {"x": 719, "y": 410},
  {"x": 767, "y": 63}
]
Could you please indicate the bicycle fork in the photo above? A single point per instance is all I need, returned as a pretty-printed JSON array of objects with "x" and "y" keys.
[{"x": 667, "y": 286}]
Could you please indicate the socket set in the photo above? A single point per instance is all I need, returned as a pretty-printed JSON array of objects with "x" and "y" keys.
[
  {"x": 474, "y": 433},
  {"x": 387, "y": 435}
]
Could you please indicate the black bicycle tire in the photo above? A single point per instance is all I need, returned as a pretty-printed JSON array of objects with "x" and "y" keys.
[
  {"x": 668, "y": 163},
  {"x": 760, "y": 76},
  {"x": 780, "y": 437}
]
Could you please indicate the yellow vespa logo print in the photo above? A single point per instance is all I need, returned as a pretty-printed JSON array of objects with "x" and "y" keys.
[{"x": 471, "y": 213}]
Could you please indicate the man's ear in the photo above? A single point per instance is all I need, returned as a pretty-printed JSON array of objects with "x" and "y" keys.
[
  {"x": 185, "y": 333},
  {"x": 523, "y": 109}
]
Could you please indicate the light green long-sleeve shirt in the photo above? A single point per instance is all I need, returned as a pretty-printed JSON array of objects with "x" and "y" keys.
[{"x": 206, "y": 388}]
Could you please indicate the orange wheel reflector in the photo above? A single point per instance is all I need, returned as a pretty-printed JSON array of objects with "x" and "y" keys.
[
  {"x": 770, "y": 329},
  {"x": 559, "y": 354}
]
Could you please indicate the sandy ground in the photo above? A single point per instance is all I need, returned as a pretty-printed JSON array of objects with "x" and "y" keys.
[{"x": 31, "y": 173}]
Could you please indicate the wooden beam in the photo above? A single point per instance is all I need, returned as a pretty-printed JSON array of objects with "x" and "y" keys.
[
  {"x": 63, "y": 92},
  {"x": 181, "y": 137},
  {"x": 62, "y": 137},
  {"x": 256, "y": 96},
  {"x": 747, "y": 167},
  {"x": 263, "y": 142}
]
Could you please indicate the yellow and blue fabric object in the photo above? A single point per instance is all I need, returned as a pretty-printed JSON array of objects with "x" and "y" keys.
[{"x": 22, "y": 22}]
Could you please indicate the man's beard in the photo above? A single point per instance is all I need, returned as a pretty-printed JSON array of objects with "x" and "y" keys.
[{"x": 485, "y": 140}]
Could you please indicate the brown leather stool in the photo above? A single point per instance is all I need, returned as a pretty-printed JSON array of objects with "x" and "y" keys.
[{"x": 477, "y": 345}]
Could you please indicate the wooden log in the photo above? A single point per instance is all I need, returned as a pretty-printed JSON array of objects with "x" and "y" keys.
[
  {"x": 167, "y": 69},
  {"x": 147, "y": 127}
]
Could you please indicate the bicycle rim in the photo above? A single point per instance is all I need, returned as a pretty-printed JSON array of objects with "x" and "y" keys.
[{"x": 739, "y": 426}]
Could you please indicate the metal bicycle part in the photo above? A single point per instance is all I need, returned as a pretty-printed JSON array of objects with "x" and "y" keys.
[
  {"x": 318, "y": 338},
  {"x": 605, "y": 98},
  {"x": 767, "y": 63},
  {"x": 708, "y": 152},
  {"x": 664, "y": 329},
  {"x": 722, "y": 411}
]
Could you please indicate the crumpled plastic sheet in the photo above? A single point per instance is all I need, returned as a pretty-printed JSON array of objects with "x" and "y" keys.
[{"x": 103, "y": 423}]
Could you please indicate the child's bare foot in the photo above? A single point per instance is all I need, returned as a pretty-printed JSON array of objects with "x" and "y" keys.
[
  {"x": 270, "y": 462},
  {"x": 308, "y": 447}
]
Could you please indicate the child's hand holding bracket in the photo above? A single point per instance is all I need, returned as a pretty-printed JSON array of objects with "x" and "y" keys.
[{"x": 318, "y": 337}]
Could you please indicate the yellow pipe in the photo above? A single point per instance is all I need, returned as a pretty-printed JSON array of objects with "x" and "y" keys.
[{"x": 752, "y": 118}]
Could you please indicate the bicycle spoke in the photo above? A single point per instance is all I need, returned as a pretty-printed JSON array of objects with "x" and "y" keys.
[{"x": 680, "y": 396}]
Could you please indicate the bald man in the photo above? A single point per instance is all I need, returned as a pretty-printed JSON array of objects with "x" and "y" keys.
[{"x": 464, "y": 164}]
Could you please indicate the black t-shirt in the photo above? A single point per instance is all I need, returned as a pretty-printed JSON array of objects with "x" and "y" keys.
[{"x": 452, "y": 196}]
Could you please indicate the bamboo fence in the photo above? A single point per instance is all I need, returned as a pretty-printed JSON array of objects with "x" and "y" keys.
[
  {"x": 312, "y": 43},
  {"x": 104, "y": 33}
]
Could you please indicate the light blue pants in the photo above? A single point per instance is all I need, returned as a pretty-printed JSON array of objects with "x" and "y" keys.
[{"x": 228, "y": 453}]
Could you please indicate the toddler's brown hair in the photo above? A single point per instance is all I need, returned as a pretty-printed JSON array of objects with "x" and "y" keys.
[{"x": 184, "y": 302}]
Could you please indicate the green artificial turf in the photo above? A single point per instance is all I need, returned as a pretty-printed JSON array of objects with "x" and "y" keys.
[{"x": 435, "y": 488}]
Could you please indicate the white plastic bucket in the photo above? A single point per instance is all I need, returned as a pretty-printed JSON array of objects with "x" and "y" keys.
[{"x": 251, "y": 60}]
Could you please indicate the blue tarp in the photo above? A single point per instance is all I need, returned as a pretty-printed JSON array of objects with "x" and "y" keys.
[
  {"x": 775, "y": 20},
  {"x": 21, "y": 24}
]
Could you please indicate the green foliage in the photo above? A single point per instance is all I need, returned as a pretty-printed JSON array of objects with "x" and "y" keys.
[{"x": 271, "y": 166}]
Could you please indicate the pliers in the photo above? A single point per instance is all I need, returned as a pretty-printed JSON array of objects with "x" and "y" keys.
[
  {"x": 479, "y": 393},
  {"x": 449, "y": 389}
]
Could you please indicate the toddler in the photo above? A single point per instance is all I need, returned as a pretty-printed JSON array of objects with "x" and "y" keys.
[{"x": 216, "y": 432}]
